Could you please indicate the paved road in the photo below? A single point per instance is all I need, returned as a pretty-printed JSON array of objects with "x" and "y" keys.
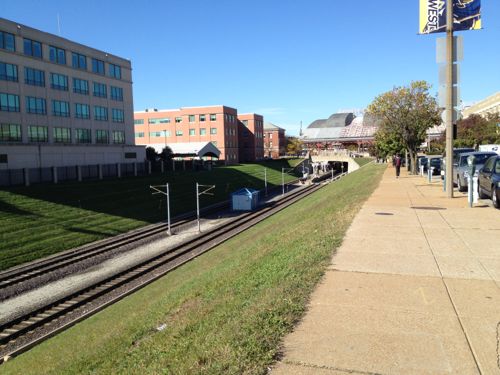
[{"x": 414, "y": 289}]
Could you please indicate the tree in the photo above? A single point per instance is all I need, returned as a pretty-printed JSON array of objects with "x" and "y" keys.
[
  {"x": 293, "y": 145},
  {"x": 387, "y": 144},
  {"x": 166, "y": 153},
  {"x": 476, "y": 130},
  {"x": 151, "y": 154},
  {"x": 405, "y": 114}
]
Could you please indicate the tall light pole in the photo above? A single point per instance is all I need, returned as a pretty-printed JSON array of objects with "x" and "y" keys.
[{"x": 449, "y": 99}]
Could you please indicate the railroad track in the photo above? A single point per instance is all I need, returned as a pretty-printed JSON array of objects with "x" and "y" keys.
[
  {"x": 33, "y": 327},
  {"x": 45, "y": 266}
]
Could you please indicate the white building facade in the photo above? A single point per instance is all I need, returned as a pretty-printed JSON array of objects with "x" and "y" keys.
[{"x": 62, "y": 103}]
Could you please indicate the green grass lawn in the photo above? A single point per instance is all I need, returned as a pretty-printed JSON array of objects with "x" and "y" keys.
[
  {"x": 40, "y": 220},
  {"x": 227, "y": 311},
  {"x": 362, "y": 161}
]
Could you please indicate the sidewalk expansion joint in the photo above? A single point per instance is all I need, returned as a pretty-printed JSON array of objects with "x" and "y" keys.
[
  {"x": 325, "y": 367},
  {"x": 467, "y": 339}
]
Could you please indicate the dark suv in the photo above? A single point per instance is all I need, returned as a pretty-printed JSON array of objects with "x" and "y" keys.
[{"x": 489, "y": 180}]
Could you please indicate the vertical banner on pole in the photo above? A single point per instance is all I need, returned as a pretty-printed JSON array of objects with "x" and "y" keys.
[{"x": 433, "y": 13}]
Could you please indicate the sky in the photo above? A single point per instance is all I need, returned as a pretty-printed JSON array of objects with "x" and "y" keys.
[{"x": 292, "y": 61}]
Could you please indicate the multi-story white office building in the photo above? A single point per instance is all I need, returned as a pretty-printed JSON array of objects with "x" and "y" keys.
[{"x": 62, "y": 103}]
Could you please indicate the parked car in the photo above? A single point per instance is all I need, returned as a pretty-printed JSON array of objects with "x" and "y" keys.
[
  {"x": 422, "y": 161},
  {"x": 456, "y": 155},
  {"x": 489, "y": 180},
  {"x": 436, "y": 164},
  {"x": 494, "y": 148},
  {"x": 461, "y": 168}
]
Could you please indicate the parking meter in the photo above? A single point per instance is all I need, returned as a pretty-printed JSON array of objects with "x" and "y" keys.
[{"x": 471, "y": 169}]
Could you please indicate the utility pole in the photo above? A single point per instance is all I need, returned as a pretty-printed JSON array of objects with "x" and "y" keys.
[{"x": 449, "y": 99}]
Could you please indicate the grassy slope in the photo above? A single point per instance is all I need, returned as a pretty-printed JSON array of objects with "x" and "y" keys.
[
  {"x": 225, "y": 312},
  {"x": 44, "y": 219},
  {"x": 362, "y": 161}
]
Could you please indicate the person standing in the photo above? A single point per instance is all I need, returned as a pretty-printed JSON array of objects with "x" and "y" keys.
[{"x": 397, "y": 164}]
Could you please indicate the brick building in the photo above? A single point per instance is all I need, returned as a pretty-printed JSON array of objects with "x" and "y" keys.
[
  {"x": 217, "y": 124},
  {"x": 274, "y": 141},
  {"x": 251, "y": 137}
]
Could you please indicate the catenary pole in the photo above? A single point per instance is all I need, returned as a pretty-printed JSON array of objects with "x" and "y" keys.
[
  {"x": 449, "y": 98},
  {"x": 168, "y": 209},
  {"x": 265, "y": 180},
  {"x": 198, "y": 208}
]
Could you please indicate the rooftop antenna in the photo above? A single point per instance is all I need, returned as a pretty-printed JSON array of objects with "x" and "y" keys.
[{"x": 58, "y": 25}]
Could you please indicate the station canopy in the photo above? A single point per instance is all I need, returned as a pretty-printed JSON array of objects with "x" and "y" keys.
[{"x": 190, "y": 149}]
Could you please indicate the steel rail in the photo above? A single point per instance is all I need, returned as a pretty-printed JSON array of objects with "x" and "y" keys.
[{"x": 43, "y": 316}]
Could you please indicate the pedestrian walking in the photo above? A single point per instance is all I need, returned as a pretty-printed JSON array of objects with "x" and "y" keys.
[{"x": 397, "y": 164}]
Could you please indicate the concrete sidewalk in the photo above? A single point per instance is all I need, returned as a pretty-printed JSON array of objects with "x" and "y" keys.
[{"x": 414, "y": 289}]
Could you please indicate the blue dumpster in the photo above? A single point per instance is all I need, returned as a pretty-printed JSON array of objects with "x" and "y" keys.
[{"x": 244, "y": 199}]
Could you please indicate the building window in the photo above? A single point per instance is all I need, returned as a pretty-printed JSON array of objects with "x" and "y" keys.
[
  {"x": 131, "y": 155},
  {"x": 62, "y": 135},
  {"x": 80, "y": 86},
  {"x": 178, "y": 133},
  {"x": 38, "y": 133},
  {"x": 245, "y": 122},
  {"x": 118, "y": 137},
  {"x": 98, "y": 66},
  {"x": 34, "y": 77},
  {"x": 203, "y": 131},
  {"x": 192, "y": 118},
  {"x": 139, "y": 121},
  {"x": 165, "y": 120},
  {"x": 7, "y": 41},
  {"x": 32, "y": 48},
  {"x": 59, "y": 81},
  {"x": 82, "y": 111},
  {"x": 213, "y": 117},
  {"x": 9, "y": 103},
  {"x": 139, "y": 135},
  {"x": 178, "y": 119},
  {"x": 214, "y": 143},
  {"x": 10, "y": 133},
  {"x": 8, "y": 72},
  {"x": 192, "y": 131},
  {"x": 213, "y": 130},
  {"x": 36, "y": 105},
  {"x": 202, "y": 118},
  {"x": 115, "y": 71},
  {"x": 78, "y": 61},
  {"x": 60, "y": 108},
  {"x": 100, "y": 113},
  {"x": 117, "y": 115},
  {"x": 57, "y": 55},
  {"x": 83, "y": 136},
  {"x": 116, "y": 93},
  {"x": 102, "y": 136},
  {"x": 100, "y": 90}
]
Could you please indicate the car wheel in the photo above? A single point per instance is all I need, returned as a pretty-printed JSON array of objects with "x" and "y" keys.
[
  {"x": 494, "y": 197},
  {"x": 481, "y": 193},
  {"x": 459, "y": 185}
]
